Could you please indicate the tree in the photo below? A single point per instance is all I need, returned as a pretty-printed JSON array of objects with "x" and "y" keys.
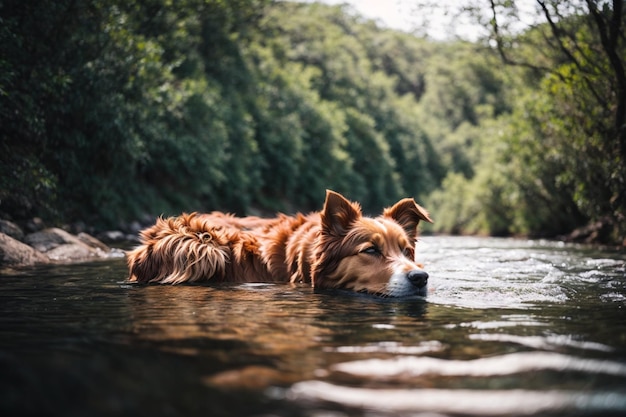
[
  {"x": 564, "y": 127},
  {"x": 116, "y": 109},
  {"x": 580, "y": 48}
]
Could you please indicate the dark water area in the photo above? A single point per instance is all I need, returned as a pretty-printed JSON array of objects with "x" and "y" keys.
[{"x": 509, "y": 328}]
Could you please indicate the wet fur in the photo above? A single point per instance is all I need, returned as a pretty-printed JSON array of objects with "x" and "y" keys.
[{"x": 335, "y": 248}]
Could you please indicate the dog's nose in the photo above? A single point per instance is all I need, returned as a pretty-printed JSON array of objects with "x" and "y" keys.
[{"x": 418, "y": 278}]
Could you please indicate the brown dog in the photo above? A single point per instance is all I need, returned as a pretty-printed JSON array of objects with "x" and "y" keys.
[{"x": 335, "y": 248}]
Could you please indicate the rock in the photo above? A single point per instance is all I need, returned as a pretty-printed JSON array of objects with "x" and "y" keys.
[
  {"x": 11, "y": 229},
  {"x": 48, "y": 245},
  {"x": 15, "y": 253},
  {"x": 133, "y": 238},
  {"x": 73, "y": 252},
  {"x": 48, "y": 239},
  {"x": 135, "y": 227},
  {"x": 594, "y": 232},
  {"x": 77, "y": 227},
  {"x": 35, "y": 224},
  {"x": 60, "y": 245},
  {"x": 93, "y": 242},
  {"x": 112, "y": 236}
]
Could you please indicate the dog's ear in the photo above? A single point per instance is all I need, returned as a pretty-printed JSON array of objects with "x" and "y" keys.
[
  {"x": 338, "y": 214},
  {"x": 408, "y": 214}
]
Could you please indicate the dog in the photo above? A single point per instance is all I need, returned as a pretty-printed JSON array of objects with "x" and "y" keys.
[{"x": 336, "y": 248}]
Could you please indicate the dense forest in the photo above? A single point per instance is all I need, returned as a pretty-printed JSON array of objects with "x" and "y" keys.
[{"x": 114, "y": 110}]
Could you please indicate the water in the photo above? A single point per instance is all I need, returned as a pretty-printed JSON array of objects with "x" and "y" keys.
[{"x": 510, "y": 328}]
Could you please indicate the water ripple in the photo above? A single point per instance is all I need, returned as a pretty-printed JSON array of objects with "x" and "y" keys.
[
  {"x": 543, "y": 342},
  {"x": 496, "y": 273},
  {"x": 461, "y": 401},
  {"x": 513, "y": 363}
]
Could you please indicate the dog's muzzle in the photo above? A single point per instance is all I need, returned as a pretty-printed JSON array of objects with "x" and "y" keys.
[{"x": 418, "y": 278}]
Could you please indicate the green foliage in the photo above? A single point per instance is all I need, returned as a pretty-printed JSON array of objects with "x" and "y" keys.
[
  {"x": 558, "y": 162},
  {"x": 110, "y": 110},
  {"x": 377, "y": 152},
  {"x": 125, "y": 108}
]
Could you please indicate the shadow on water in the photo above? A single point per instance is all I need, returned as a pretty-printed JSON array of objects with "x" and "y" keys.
[{"x": 509, "y": 328}]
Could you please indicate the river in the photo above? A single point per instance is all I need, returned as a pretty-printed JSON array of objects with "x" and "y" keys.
[{"x": 509, "y": 328}]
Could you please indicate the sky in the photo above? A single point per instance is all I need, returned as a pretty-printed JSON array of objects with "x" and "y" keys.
[
  {"x": 405, "y": 15},
  {"x": 393, "y": 13},
  {"x": 436, "y": 21}
]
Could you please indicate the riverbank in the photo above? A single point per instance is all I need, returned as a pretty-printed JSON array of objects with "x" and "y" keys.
[{"x": 36, "y": 244}]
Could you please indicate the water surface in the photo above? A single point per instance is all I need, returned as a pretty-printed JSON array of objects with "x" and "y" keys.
[{"x": 510, "y": 327}]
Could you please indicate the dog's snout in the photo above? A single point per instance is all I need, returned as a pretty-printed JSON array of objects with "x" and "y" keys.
[{"x": 418, "y": 278}]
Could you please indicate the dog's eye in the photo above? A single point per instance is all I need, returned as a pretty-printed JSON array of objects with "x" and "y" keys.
[
  {"x": 372, "y": 250},
  {"x": 408, "y": 252}
]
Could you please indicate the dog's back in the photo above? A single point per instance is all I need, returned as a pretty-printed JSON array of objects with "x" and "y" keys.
[
  {"x": 335, "y": 248},
  {"x": 222, "y": 247}
]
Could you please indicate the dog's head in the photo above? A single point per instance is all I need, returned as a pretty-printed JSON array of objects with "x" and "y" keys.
[{"x": 372, "y": 255}]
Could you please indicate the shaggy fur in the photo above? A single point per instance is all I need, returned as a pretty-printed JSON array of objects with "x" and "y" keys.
[{"x": 335, "y": 248}]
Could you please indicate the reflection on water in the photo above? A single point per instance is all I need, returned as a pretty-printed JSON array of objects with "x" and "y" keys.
[
  {"x": 510, "y": 327},
  {"x": 460, "y": 401}
]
